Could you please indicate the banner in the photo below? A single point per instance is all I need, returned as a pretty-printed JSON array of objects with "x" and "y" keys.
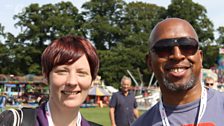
[{"x": 221, "y": 68}]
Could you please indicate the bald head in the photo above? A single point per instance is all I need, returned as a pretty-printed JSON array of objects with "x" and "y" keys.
[{"x": 172, "y": 28}]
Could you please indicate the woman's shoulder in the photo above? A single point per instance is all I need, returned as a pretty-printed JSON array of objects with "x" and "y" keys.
[
  {"x": 6, "y": 118},
  {"x": 89, "y": 123},
  {"x": 94, "y": 124}
]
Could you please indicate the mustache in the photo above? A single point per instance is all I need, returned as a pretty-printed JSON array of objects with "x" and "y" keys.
[{"x": 173, "y": 64}]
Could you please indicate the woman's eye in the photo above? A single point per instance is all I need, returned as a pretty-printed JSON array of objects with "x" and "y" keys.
[
  {"x": 61, "y": 72},
  {"x": 83, "y": 73}
]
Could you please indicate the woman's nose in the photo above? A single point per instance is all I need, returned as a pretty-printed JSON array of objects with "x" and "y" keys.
[{"x": 72, "y": 79}]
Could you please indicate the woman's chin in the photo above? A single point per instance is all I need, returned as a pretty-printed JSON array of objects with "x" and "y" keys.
[{"x": 72, "y": 104}]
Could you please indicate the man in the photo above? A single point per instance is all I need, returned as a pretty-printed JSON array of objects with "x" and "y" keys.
[
  {"x": 123, "y": 106},
  {"x": 210, "y": 83},
  {"x": 176, "y": 60}
]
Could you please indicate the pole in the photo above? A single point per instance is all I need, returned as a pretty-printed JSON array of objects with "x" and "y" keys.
[{"x": 136, "y": 83}]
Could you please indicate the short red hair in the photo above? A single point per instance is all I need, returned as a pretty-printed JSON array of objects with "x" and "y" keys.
[{"x": 66, "y": 50}]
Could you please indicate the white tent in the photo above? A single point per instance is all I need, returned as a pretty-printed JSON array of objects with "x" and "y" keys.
[{"x": 111, "y": 89}]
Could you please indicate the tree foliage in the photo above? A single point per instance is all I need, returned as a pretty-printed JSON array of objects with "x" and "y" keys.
[
  {"x": 40, "y": 25},
  {"x": 195, "y": 14},
  {"x": 116, "y": 62},
  {"x": 220, "y": 39},
  {"x": 119, "y": 31},
  {"x": 103, "y": 22},
  {"x": 138, "y": 21}
]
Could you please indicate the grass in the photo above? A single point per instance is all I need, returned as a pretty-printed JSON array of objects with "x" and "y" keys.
[{"x": 97, "y": 115}]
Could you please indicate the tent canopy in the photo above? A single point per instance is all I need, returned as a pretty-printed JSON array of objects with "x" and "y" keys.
[{"x": 98, "y": 91}]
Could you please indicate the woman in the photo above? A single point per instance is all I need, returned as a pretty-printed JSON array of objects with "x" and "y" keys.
[{"x": 69, "y": 64}]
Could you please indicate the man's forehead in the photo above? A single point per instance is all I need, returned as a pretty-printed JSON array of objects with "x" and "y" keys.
[
  {"x": 209, "y": 80},
  {"x": 126, "y": 81},
  {"x": 172, "y": 28}
]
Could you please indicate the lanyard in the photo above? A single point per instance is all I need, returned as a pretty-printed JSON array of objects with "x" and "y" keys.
[
  {"x": 49, "y": 117},
  {"x": 202, "y": 107}
]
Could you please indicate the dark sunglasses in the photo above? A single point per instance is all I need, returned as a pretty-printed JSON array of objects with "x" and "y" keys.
[
  {"x": 209, "y": 84},
  {"x": 164, "y": 47}
]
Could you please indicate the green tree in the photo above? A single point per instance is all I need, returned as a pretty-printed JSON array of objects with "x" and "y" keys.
[
  {"x": 40, "y": 25},
  {"x": 195, "y": 14},
  {"x": 138, "y": 22},
  {"x": 3, "y": 58},
  {"x": 2, "y": 34},
  {"x": 103, "y": 19},
  {"x": 220, "y": 39},
  {"x": 129, "y": 53},
  {"x": 116, "y": 62},
  {"x": 210, "y": 55},
  {"x": 119, "y": 30},
  {"x": 4, "y": 52}
]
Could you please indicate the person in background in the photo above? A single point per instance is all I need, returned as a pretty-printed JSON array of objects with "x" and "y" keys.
[
  {"x": 69, "y": 64},
  {"x": 176, "y": 60},
  {"x": 3, "y": 101},
  {"x": 210, "y": 82},
  {"x": 123, "y": 106}
]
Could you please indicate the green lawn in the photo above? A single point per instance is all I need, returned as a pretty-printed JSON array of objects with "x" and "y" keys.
[{"x": 98, "y": 115}]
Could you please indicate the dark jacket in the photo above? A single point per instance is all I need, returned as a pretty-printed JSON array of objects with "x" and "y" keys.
[{"x": 7, "y": 119}]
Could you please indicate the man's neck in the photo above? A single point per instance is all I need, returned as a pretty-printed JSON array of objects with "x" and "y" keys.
[{"x": 125, "y": 93}]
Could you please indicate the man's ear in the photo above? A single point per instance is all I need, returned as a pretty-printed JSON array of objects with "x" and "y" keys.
[
  {"x": 201, "y": 53},
  {"x": 148, "y": 61}
]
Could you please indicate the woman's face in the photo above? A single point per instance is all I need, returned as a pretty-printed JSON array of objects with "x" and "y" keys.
[{"x": 69, "y": 84}]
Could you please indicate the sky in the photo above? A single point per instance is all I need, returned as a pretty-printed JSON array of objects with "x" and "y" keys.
[{"x": 9, "y": 8}]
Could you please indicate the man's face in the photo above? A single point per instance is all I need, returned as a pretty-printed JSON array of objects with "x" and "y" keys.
[
  {"x": 210, "y": 83},
  {"x": 179, "y": 68},
  {"x": 126, "y": 84}
]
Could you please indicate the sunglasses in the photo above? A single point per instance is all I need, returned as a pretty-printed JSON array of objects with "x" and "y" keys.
[
  {"x": 164, "y": 47},
  {"x": 209, "y": 84}
]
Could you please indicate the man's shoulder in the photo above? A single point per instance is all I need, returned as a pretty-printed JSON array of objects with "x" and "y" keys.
[
  {"x": 216, "y": 93},
  {"x": 116, "y": 93}
]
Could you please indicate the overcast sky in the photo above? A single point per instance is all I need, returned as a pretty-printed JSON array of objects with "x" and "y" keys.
[{"x": 9, "y": 8}]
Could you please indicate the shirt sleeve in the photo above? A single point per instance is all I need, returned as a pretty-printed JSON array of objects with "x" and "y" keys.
[
  {"x": 113, "y": 101},
  {"x": 135, "y": 103}
]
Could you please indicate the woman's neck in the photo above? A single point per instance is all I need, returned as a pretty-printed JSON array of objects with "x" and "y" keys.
[{"x": 62, "y": 116}]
